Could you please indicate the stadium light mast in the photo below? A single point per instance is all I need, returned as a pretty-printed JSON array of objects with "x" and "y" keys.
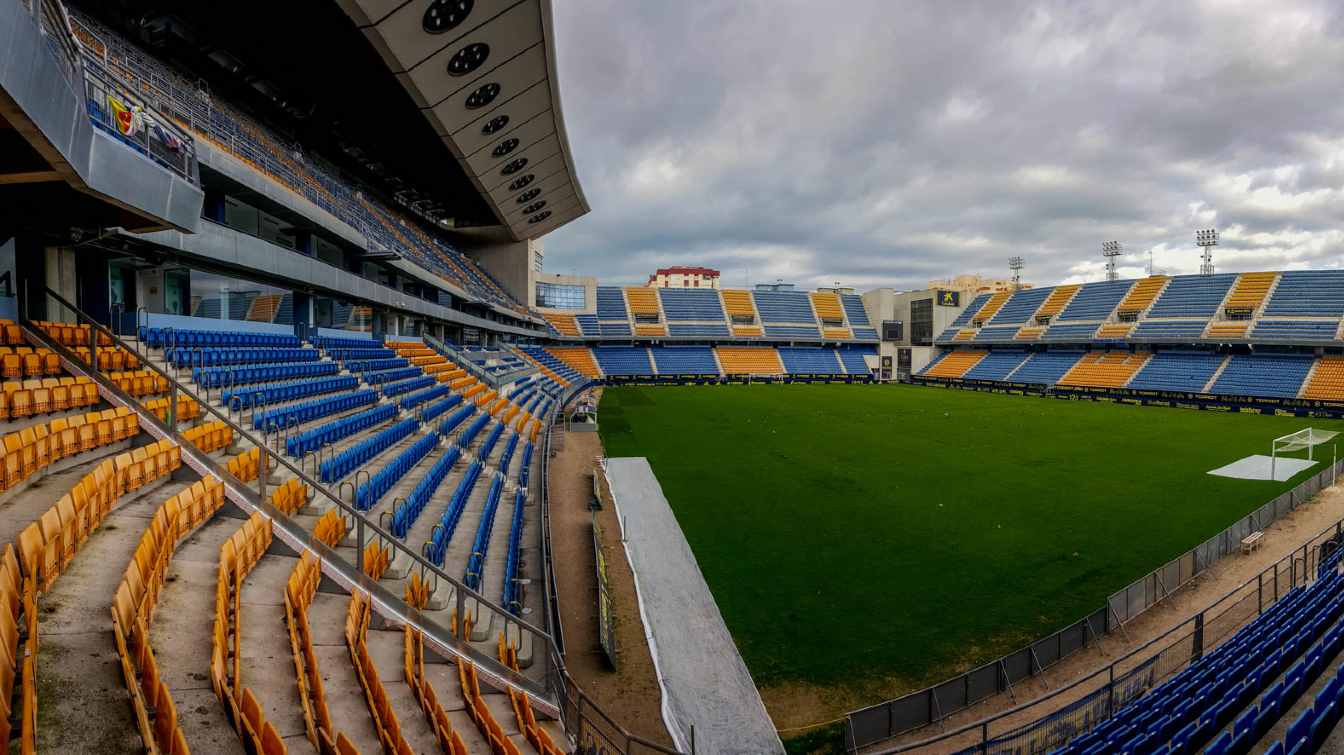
[
  {"x": 1110, "y": 250},
  {"x": 1206, "y": 239},
  {"x": 1015, "y": 264}
]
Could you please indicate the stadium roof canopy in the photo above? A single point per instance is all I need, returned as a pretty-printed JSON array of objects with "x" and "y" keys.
[{"x": 433, "y": 100}]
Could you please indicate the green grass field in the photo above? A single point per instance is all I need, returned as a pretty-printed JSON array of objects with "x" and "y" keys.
[{"x": 857, "y": 534}]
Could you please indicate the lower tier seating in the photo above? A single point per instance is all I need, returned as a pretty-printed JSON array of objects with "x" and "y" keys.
[
  {"x": 1046, "y": 367},
  {"x": 1272, "y": 375},
  {"x": 685, "y": 360},
  {"x": 1105, "y": 369},
  {"x": 955, "y": 364},
  {"x": 800, "y": 360},
  {"x": 1177, "y": 371},
  {"x": 997, "y": 365},
  {"x": 1327, "y": 380},
  {"x": 749, "y": 360}
]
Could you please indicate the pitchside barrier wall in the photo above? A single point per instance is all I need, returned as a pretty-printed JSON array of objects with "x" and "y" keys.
[
  {"x": 1297, "y": 407},
  {"x": 1091, "y": 700}
]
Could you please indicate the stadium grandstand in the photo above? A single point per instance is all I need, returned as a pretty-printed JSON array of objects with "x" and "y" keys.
[{"x": 286, "y": 394}]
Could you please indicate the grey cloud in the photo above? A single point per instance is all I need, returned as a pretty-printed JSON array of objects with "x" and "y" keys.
[{"x": 879, "y": 143}]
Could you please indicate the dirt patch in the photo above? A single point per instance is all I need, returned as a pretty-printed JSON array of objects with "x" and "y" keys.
[{"x": 630, "y": 695}]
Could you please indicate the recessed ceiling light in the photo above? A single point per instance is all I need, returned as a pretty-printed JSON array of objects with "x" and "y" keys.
[
  {"x": 445, "y": 15},
  {"x": 468, "y": 59}
]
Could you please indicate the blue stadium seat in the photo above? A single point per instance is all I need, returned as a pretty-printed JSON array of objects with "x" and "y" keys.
[
  {"x": 1177, "y": 371},
  {"x": 1271, "y": 375},
  {"x": 809, "y": 361},
  {"x": 997, "y": 365},
  {"x": 1095, "y": 301}
]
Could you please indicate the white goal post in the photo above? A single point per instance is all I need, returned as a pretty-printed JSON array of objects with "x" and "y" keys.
[{"x": 1308, "y": 439}]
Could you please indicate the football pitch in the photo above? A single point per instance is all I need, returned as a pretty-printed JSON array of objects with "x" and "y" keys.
[{"x": 894, "y": 534}]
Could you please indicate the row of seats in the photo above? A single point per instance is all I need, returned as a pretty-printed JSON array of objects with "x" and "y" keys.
[
  {"x": 18, "y": 629},
  {"x": 307, "y": 411},
  {"x": 133, "y": 607},
  {"x": 210, "y": 437},
  {"x": 138, "y": 383},
  {"x": 216, "y": 356},
  {"x": 374, "y": 365},
  {"x": 408, "y": 385},
  {"x": 368, "y": 493},
  {"x": 237, "y": 557},
  {"x": 26, "y": 361},
  {"x": 388, "y": 375},
  {"x": 43, "y": 396},
  {"x": 1186, "y": 711},
  {"x": 708, "y": 313},
  {"x": 187, "y": 408},
  {"x": 485, "y": 526},
  {"x": 1296, "y": 306},
  {"x": 404, "y": 516},
  {"x": 437, "y": 548},
  {"x": 522, "y": 706},
  {"x": 317, "y": 437},
  {"x": 1260, "y": 374},
  {"x": 352, "y": 458},
  {"x": 299, "y": 592},
  {"x": 601, "y": 361},
  {"x": 421, "y": 686},
  {"x": 269, "y": 393},
  {"x": 380, "y": 707},
  {"x": 159, "y": 337},
  {"x": 216, "y": 377},
  {"x": 35, "y": 447}
]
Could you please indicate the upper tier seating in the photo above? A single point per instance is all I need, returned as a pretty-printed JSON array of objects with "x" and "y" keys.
[
  {"x": 997, "y": 334},
  {"x": 1273, "y": 375},
  {"x": 588, "y": 324},
  {"x": 685, "y": 360},
  {"x": 1308, "y": 292},
  {"x": 1169, "y": 330},
  {"x": 565, "y": 325},
  {"x": 749, "y": 360},
  {"x": 703, "y": 330},
  {"x": 955, "y": 365},
  {"x": 1250, "y": 291},
  {"x": 1096, "y": 301},
  {"x": 792, "y": 331},
  {"x": 997, "y": 365},
  {"x": 1021, "y": 307},
  {"x": 177, "y": 95},
  {"x": 858, "y": 317},
  {"x": 1059, "y": 298},
  {"x": 643, "y": 302},
  {"x": 611, "y": 303},
  {"x": 623, "y": 360},
  {"x": 1327, "y": 380},
  {"x": 1177, "y": 371},
  {"x": 1193, "y": 296},
  {"x": 809, "y": 361},
  {"x": 1142, "y": 294},
  {"x": 1295, "y": 330},
  {"x": 700, "y": 304},
  {"x": 1104, "y": 369},
  {"x": 991, "y": 307},
  {"x": 970, "y": 311},
  {"x": 1046, "y": 367},
  {"x": 784, "y": 307},
  {"x": 1071, "y": 333}
]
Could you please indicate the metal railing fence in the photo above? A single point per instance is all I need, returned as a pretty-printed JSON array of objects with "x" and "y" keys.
[{"x": 555, "y": 692}]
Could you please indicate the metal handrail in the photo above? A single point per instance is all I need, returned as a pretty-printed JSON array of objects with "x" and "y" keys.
[
  {"x": 561, "y": 695},
  {"x": 463, "y": 592}
]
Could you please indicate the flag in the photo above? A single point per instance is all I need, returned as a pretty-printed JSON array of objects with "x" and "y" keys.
[
  {"x": 168, "y": 138},
  {"x": 122, "y": 116}
]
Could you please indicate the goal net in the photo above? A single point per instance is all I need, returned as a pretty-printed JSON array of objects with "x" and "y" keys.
[{"x": 1299, "y": 440}]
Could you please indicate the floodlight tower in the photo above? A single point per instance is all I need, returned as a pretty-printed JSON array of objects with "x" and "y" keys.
[
  {"x": 1015, "y": 264},
  {"x": 1207, "y": 239},
  {"x": 1110, "y": 250}
]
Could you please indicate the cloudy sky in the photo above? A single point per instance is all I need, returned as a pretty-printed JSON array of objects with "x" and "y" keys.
[{"x": 884, "y": 142}]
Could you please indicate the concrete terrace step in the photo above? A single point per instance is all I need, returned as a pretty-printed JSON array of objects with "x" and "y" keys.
[
  {"x": 181, "y": 635},
  {"x": 268, "y": 665}
]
